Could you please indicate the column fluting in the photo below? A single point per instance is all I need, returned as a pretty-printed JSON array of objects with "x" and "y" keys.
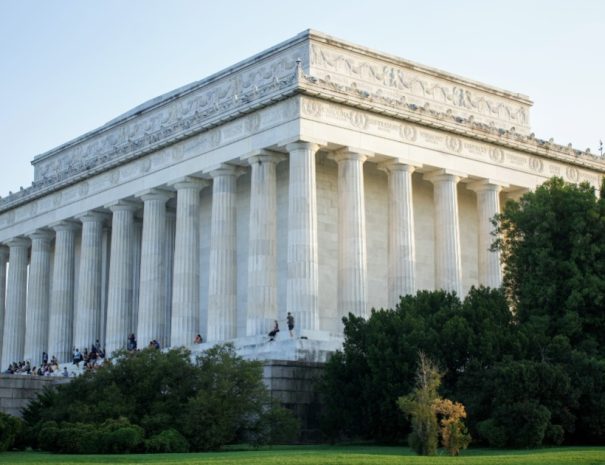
[
  {"x": 185, "y": 324},
  {"x": 119, "y": 293},
  {"x": 488, "y": 205},
  {"x": 16, "y": 287},
  {"x": 4, "y": 252},
  {"x": 152, "y": 292},
  {"x": 61, "y": 318},
  {"x": 402, "y": 249},
  {"x": 352, "y": 254},
  {"x": 222, "y": 286},
  {"x": 38, "y": 297},
  {"x": 448, "y": 267},
  {"x": 262, "y": 254},
  {"x": 302, "y": 282},
  {"x": 87, "y": 324}
]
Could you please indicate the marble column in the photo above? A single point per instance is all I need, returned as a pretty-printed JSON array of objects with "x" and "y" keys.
[
  {"x": 352, "y": 254},
  {"x": 262, "y": 254},
  {"x": 87, "y": 324},
  {"x": 119, "y": 293},
  {"x": 61, "y": 319},
  {"x": 152, "y": 291},
  {"x": 136, "y": 273},
  {"x": 448, "y": 266},
  {"x": 488, "y": 205},
  {"x": 222, "y": 286},
  {"x": 402, "y": 249},
  {"x": 16, "y": 287},
  {"x": 302, "y": 282},
  {"x": 38, "y": 297},
  {"x": 185, "y": 323},
  {"x": 169, "y": 244},
  {"x": 4, "y": 251}
]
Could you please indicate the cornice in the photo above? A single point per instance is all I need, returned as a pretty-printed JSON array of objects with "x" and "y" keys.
[{"x": 447, "y": 122}]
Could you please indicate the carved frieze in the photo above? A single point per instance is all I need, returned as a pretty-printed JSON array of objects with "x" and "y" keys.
[{"x": 358, "y": 71}]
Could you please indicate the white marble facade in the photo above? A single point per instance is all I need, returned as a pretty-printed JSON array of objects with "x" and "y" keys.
[{"x": 317, "y": 177}]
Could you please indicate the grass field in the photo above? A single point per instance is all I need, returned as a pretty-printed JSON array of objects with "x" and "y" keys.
[{"x": 327, "y": 455}]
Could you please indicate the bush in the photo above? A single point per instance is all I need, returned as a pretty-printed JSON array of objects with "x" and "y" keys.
[
  {"x": 77, "y": 438},
  {"x": 121, "y": 437},
  {"x": 277, "y": 425},
  {"x": 10, "y": 430},
  {"x": 167, "y": 441}
]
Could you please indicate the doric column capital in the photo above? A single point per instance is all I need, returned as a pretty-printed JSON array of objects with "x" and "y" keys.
[
  {"x": 123, "y": 205},
  {"x": 189, "y": 182},
  {"x": 442, "y": 175},
  {"x": 484, "y": 185},
  {"x": 398, "y": 164},
  {"x": 264, "y": 156},
  {"x": 65, "y": 225},
  {"x": 312, "y": 146},
  {"x": 17, "y": 242},
  {"x": 350, "y": 153},
  {"x": 155, "y": 194},
  {"x": 225, "y": 169},
  {"x": 41, "y": 235},
  {"x": 92, "y": 216}
]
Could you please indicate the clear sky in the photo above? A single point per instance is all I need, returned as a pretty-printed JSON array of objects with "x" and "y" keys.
[{"x": 69, "y": 66}]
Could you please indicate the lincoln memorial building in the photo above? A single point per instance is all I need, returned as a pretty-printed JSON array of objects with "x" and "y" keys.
[{"x": 318, "y": 177}]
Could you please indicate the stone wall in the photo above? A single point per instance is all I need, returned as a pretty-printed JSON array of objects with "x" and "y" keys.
[
  {"x": 294, "y": 385},
  {"x": 16, "y": 391}
]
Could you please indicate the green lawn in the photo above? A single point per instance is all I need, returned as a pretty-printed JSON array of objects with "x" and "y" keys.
[{"x": 327, "y": 455}]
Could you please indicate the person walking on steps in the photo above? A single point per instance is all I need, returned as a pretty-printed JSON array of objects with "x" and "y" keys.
[{"x": 290, "y": 321}]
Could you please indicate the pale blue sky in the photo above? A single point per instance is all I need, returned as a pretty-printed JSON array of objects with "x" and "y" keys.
[{"x": 67, "y": 67}]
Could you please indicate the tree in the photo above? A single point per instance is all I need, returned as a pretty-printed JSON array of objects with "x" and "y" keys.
[
  {"x": 420, "y": 406},
  {"x": 553, "y": 248},
  {"x": 158, "y": 401},
  {"x": 453, "y": 433}
]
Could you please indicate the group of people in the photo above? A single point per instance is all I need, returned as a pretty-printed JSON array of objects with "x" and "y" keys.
[
  {"x": 90, "y": 358},
  {"x": 47, "y": 368},
  {"x": 275, "y": 330}
]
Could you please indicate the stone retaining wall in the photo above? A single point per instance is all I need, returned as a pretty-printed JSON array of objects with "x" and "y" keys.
[{"x": 16, "y": 391}]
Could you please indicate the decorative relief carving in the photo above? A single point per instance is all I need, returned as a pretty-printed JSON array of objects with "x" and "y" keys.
[
  {"x": 114, "y": 178},
  {"x": 145, "y": 165},
  {"x": 414, "y": 83},
  {"x": 83, "y": 189},
  {"x": 535, "y": 164},
  {"x": 185, "y": 113},
  {"x": 454, "y": 144},
  {"x": 496, "y": 154},
  {"x": 359, "y": 120},
  {"x": 311, "y": 107},
  {"x": 572, "y": 173},
  {"x": 408, "y": 132},
  {"x": 57, "y": 197}
]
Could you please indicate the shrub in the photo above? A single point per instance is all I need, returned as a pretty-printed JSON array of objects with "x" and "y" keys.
[
  {"x": 167, "y": 441},
  {"x": 10, "y": 429}
]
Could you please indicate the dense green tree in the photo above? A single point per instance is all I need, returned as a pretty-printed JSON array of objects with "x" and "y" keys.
[
  {"x": 158, "y": 402},
  {"x": 553, "y": 247},
  {"x": 527, "y": 361}
]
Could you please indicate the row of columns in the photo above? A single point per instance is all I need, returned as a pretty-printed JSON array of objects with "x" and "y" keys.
[{"x": 51, "y": 317}]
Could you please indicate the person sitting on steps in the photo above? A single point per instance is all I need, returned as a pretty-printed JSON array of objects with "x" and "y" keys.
[{"x": 274, "y": 331}]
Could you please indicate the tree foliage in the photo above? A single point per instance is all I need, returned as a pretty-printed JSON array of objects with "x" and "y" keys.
[
  {"x": 527, "y": 360},
  {"x": 157, "y": 402},
  {"x": 419, "y": 406}
]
